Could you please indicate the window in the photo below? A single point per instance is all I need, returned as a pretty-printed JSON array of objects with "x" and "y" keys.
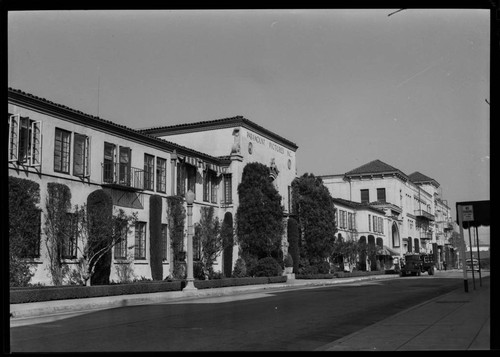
[
  {"x": 69, "y": 246},
  {"x": 140, "y": 240},
  {"x": 61, "y": 151},
  {"x": 164, "y": 241},
  {"x": 121, "y": 245},
  {"x": 181, "y": 179},
  {"x": 81, "y": 156},
  {"x": 365, "y": 196},
  {"x": 109, "y": 163},
  {"x": 228, "y": 190},
  {"x": 149, "y": 169},
  {"x": 161, "y": 175},
  {"x": 382, "y": 225},
  {"x": 214, "y": 188},
  {"x": 350, "y": 223},
  {"x": 210, "y": 186},
  {"x": 369, "y": 222},
  {"x": 25, "y": 141},
  {"x": 381, "y": 194},
  {"x": 290, "y": 205},
  {"x": 191, "y": 178},
  {"x": 124, "y": 166}
]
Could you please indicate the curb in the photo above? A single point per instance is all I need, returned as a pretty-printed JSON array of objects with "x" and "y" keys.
[{"x": 58, "y": 307}]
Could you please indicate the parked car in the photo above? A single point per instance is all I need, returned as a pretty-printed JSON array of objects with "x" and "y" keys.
[{"x": 474, "y": 265}]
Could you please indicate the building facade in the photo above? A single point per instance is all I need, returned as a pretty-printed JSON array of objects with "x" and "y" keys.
[
  {"x": 415, "y": 219},
  {"x": 51, "y": 143}
]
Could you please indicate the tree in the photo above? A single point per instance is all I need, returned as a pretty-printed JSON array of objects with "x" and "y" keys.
[
  {"x": 316, "y": 217},
  {"x": 24, "y": 229},
  {"x": 259, "y": 218},
  {"x": 345, "y": 251},
  {"x": 99, "y": 234},
  {"x": 208, "y": 234}
]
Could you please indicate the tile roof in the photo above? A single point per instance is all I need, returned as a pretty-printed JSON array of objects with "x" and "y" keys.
[
  {"x": 374, "y": 167},
  {"x": 236, "y": 120},
  {"x": 357, "y": 205},
  {"x": 16, "y": 94},
  {"x": 419, "y": 177}
]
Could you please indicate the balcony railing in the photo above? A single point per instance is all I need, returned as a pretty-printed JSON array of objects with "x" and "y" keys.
[
  {"x": 122, "y": 176},
  {"x": 424, "y": 214}
]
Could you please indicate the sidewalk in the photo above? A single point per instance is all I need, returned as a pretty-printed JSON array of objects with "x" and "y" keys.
[{"x": 454, "y": 321}]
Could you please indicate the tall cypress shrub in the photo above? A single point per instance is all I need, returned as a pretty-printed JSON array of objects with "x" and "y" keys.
[
  {"x": 100, "y": 208},
  {"x": 155, "y": 243},
  {"x": 228, "y": 241},
  {"x": 293, "y": 242}
]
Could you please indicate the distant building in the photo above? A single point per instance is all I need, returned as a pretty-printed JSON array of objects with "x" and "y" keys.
[
  {"x": 49, "y": 142},
  {"x": 415, "y": 219}
]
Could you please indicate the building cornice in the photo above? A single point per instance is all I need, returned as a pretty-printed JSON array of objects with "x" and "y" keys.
[{"x": 237, "y": 121}]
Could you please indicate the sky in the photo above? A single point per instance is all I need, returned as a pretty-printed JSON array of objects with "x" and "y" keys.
[{"x": 348, "y": 86}]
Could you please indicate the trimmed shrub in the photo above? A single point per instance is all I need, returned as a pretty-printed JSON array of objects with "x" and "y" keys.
[
  {"x": 288, "y": 261},
  {"x": 240, "y": 268},
  {"x": 228, "y": 243},
  {"x": 155, "y": 246},
  {"x": 267, "y": 267},
  {"x": 198, "y": 272},
  {"x": 293, "y": 242},
  {"x": 100, "y": 208}
]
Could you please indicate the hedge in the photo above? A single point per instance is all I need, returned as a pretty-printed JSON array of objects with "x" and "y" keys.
[
  {"x": 340, "y": 274},
  {"x": 47, "y": 293}
]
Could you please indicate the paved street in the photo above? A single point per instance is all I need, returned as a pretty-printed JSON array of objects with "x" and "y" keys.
[{"x": 304, "y": 319}]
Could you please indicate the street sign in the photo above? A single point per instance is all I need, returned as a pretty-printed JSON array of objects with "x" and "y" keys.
[{"x": 467, "y": 213}]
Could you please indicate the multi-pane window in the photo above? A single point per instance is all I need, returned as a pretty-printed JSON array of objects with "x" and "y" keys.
[
  {"x": 290, "y": 199},
  {"x": 69, "y": 246},
  {"x": 365, "y": 196},
  {"x": 381, "y": 194},
  {"x": 375, "y": 229},
  {"x": 109, "y": 163},
  {"x": 149, "y": 169},
  {"x": 228, "y": 189},
  {"x": 25, "y": 141},
  {"x": 121, "y": 246},
  {"x": 213, "y": 189},
  {"x": 81, "y": 155},
  {"x": 124, "y": 171},
  {"x": 140, "y": 240},
  {"x": 209, "y": 186},
  {"x": 164, "y": 241},
  {"x": 350, "y": 221},
  {"x": 161, "y": 175},
  {"x": 369, "y": 222},
  {"x": 62, "y": 144}
]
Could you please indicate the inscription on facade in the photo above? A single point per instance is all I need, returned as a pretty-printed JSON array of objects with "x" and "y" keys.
[{"x": 273, "y": 146}]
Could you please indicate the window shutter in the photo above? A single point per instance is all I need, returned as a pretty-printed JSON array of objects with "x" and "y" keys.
[
  {"x": 14, "y": 137},
  {"x": 79, "y": 156},
  {"x": 86, "y": 161},
  {"x": 36, "y": 144}
]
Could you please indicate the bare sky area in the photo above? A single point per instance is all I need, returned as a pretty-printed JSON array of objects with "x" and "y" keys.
[{"x": 347, "y": 86}]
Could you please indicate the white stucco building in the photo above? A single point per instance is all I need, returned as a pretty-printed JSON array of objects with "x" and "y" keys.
[
  {"x": 416, "y": 218},
  {"x": 49, "y": 142}
]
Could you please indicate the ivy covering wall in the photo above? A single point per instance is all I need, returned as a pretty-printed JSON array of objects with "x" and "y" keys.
[
  {"x": 293, "y": 242},
  {"x": 176, "y": 214},
  {"x": 24, "y": 228},
  {"x": 155, "y": 242}
]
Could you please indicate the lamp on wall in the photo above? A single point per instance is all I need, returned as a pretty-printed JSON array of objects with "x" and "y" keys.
[{"x": 190, "y": 280}]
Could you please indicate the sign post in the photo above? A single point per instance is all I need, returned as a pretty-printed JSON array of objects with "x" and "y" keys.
[
  {"x": 462, "y": 247},
  {"x": 468, "y": 216}
]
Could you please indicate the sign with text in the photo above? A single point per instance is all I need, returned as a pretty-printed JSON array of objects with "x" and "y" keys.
[{"x": 467, "y": 213}]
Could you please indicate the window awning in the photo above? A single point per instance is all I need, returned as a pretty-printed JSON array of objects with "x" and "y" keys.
[{"x": 389, "y": 252}]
